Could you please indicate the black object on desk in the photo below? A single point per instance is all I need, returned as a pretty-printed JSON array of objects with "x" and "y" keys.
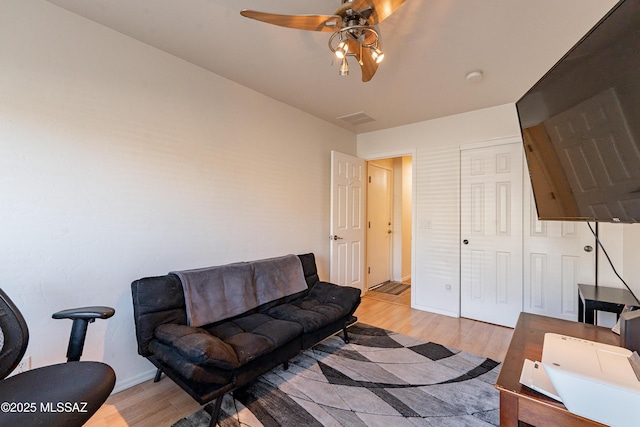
[{"x": 592, "y": 298}]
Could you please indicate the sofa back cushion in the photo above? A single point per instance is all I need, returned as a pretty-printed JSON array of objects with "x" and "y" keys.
[
  {"x": 309, "y": 268},
  {"x": 275, "y": 278},
  {"x": 217, "y": 293}
]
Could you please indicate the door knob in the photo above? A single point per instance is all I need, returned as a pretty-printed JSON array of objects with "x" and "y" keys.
[
  {"x": 465, "y": 241},
  {"x": 335, "y": 237},
  {"x": 588, "y": 248}
]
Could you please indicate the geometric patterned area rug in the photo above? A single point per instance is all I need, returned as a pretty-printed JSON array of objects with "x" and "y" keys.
[{"x": 380, "y": 378}]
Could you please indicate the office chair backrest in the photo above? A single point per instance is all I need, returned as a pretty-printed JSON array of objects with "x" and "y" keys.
[{"x": 14, "y": 335}]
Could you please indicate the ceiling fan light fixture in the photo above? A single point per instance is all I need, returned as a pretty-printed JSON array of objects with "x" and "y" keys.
[
  {"x": 377, "y": 55},
  {"x": 344, "y": 67},
  {"x": 342, "y": 49}
]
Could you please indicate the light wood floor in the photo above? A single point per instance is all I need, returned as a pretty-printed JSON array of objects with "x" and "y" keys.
[{"x": 162, "y": 404}]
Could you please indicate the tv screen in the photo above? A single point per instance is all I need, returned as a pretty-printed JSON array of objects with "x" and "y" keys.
[{"x": 581, "y": 123}]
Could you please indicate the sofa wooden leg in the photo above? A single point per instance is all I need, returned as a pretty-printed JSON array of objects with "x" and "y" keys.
[
  {"x": 158, "y": 376},
  {"x": 216, "y": 411},
  {"x": 285, "y": 365},
  {"x": 346, "y": 335}
]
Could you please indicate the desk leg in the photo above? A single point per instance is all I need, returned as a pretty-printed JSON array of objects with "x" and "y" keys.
[
  {"x": 589, "y": 314},
  {"x": 508, "y": 410},
  {"x": 580, "y": 310}
]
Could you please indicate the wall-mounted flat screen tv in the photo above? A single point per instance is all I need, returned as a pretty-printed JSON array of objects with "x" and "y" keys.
[{"x": 581, "y": 125}]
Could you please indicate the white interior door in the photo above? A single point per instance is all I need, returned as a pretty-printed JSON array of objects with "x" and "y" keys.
[
  {"x": 347, "y": 220},
  {"x": 491, "y": 233},
  {"x": 558, "y": 255},
  {"x": 378, "y": 225}
]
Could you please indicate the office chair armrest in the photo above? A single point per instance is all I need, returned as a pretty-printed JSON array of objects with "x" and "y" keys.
[
  {"x": 81, "y": 318},
  {"x": 85, "y": 313}
]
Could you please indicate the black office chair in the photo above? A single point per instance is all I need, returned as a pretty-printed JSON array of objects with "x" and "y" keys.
[{"x": 66, "y": 394}]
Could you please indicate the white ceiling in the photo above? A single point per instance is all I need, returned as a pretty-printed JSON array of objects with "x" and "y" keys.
[{"x": 429, "y": 45}]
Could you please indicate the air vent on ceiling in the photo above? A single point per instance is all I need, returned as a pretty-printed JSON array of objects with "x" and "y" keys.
[{"x": 357, "y": 118}]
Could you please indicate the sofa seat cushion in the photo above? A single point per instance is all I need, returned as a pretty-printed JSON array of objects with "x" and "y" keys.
[
  {"x": 324, "y": 304},
  {"x": 198, "y": 346},
  {"x": 256, "y": 334},
  {"x": 169, "y": 356}
]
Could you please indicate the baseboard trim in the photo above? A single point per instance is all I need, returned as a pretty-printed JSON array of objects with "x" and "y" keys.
[
  {"x": 130, "y": 382},
  {"x": 435, "y": 310}
]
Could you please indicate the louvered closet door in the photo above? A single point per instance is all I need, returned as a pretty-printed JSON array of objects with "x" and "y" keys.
[{"x": 491, "y": 233}]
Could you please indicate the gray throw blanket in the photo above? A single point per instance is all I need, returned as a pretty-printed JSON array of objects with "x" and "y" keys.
[{"x": 216, "y": 293}]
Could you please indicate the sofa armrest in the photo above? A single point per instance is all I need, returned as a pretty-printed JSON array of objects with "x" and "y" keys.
[
  {"x": 198, "y": 346},
  {"x": 345, "y": 296},
  {"x": 156, "y": 301}
]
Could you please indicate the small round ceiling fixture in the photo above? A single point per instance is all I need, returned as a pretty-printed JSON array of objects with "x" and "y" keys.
[{"x": 474, "y": 76}]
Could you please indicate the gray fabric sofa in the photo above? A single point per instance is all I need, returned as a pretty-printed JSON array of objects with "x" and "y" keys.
[{"x": 237, "y": 321}]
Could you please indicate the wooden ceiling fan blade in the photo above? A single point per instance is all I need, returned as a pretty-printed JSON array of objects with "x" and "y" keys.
[
  {"x": 367, "y": 64},
  {"x": 324, "y": 23},
  {"x": 382, "y": 9}
]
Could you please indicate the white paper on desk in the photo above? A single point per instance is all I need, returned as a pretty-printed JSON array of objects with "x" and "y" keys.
[{"x": 534, "y": 376}]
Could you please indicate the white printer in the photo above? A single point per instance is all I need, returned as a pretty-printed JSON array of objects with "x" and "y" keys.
[{"x": 593, "y": 380}]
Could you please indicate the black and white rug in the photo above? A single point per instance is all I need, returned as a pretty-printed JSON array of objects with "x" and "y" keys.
[{"x": 380, "y": 378}]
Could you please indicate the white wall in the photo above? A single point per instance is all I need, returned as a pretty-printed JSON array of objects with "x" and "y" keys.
[
  {"x": 615, "y": 242},
  {"x": 631, "y": 254},
  {"x": 407, "y": 212},
  {"x": 397, "y": 226},
  {"x": 118, "y": 161}
]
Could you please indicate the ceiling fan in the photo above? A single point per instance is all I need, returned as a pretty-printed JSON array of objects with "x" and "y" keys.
[{"x": 353, "y": 28}]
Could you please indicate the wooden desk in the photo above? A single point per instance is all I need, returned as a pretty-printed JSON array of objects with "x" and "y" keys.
[{"x": 520, "y": 404}]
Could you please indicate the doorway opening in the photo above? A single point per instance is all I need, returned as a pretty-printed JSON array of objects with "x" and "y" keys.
[{"x": 389, "y": 229}]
